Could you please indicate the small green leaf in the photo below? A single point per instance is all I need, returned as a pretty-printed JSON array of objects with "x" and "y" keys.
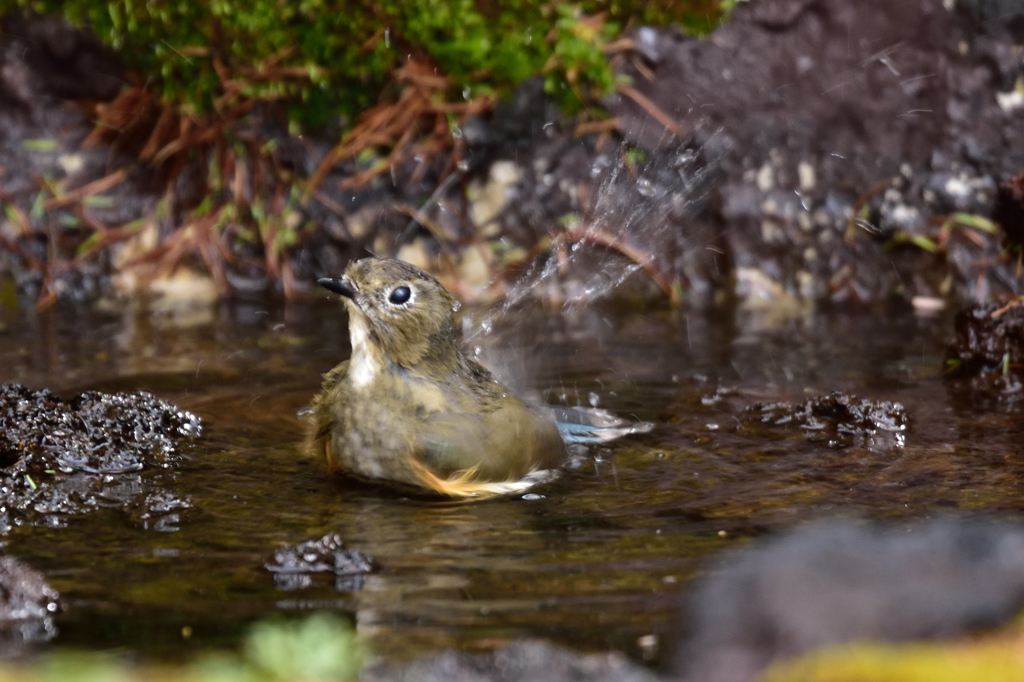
[
  {"x": 924, "y": 243},
  {"x": 98, "y": 201},
  {"x": 38, "y": 209},
  {"x": 977, "y": 222},
  {"x": 87, "y": 246},
  {"x": 40, "y": 145}
]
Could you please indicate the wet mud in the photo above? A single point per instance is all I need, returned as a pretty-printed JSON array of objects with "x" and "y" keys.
[
  {"x": 60, "y": 458},
  {"x": 839, "y": 134}
]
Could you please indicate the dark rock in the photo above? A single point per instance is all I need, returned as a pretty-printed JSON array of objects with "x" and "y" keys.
[
  {"x": 293, "y": 566},
  {"x": 67, "y": 63},
  {"x": 520, "y": 661},
  {"x": 989, "y": 337},
  {"x": 838, "y": 419},
  {"x": 985, "y": 362},
  {"x": 842, "y": 581},
  {"x": 62, "y": 458},
  {"x": 44, "y": 61}
]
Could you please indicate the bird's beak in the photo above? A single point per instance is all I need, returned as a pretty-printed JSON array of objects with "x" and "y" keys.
[{"x": 339, "y": 286}]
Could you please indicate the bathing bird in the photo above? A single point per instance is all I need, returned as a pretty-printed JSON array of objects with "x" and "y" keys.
[{"x": 408, "y": 407}]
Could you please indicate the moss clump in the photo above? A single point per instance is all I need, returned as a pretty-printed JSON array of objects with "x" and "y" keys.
[{"x": 330, "y": 59}]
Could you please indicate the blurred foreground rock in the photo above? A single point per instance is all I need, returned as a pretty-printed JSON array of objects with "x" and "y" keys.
[
  {"x": 843, "y": 581},
  {"x": 520, "y": 661}
]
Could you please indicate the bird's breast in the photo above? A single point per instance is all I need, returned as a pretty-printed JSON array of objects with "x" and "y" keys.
[{"x": 367, "y": 359}]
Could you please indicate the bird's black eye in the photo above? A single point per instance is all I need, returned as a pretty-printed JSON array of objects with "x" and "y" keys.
[{"x": 400, "y": 295}]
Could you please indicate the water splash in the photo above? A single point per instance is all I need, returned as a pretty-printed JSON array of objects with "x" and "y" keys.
[{"x": 637, "y": 216}]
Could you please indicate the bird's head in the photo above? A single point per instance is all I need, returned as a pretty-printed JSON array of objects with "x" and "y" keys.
[{"x": 399, "y": 313}]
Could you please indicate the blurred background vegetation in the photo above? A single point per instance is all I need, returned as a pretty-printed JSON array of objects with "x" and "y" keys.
[
  {"x": 329, "y": 60},
  {"x": 212, "y": 91}
]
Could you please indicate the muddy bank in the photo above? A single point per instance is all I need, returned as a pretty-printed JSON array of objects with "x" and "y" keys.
[
  {"x": 808, "y": 150},
  {"x": 845, "y": 135}
]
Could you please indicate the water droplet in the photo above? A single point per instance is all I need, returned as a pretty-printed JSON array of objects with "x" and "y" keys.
[
  {"x": 387, "y": 38},
  {"x": 466, "y": 94},
  {"x": 533, "y": 496},
  {"x": 462, "y": 165},
  {"x": 456, "y": 133},
  {"x": 456, "y": 305},
  {"x": 645, "y": 187},
  {"x": 594, "y": 399}
]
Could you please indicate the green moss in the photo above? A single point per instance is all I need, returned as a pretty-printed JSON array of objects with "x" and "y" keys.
[{"x": 328, "y": 60}]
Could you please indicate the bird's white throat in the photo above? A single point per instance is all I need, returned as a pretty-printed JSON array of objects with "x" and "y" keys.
[{"x": 366, "y": 356}]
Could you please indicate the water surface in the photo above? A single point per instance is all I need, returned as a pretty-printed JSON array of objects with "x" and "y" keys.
[{"x": 594, "y": 560}]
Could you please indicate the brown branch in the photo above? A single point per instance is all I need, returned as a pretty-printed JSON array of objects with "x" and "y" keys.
[
  {"x": 95, "y": 187},
  {"x": 651, "y": 108}
]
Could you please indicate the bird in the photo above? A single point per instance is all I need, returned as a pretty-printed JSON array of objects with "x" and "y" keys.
[{"x": 410, "y": 408}]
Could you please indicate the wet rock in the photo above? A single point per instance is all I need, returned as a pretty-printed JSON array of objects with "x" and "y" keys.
[
  {"x": 837, "y": 419},
  {"x": 27, "y": 605},
  {"x": 989, "y": 337},
  {"x": 520, "y": 661},
  {"x": 842, "y": 581},
  {"x": 986, "y": 359},
  {"x": 294, "y": 566},
  {"x": 62, "y": 458}
]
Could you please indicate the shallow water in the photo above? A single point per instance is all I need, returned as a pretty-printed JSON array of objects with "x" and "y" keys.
[{"x": 594, "y": 562}]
